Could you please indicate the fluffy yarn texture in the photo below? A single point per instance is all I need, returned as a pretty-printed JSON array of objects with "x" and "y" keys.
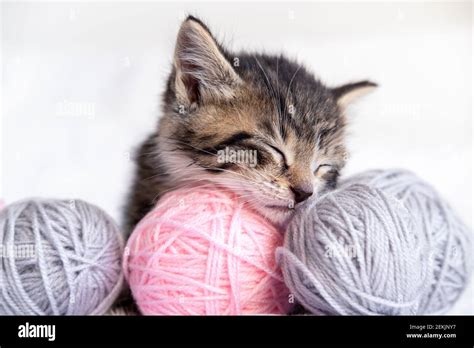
[
  {"x": 450, "y": 240},
  {"x": 201, "y": 251},
  {"x": 58, "y": 258},
  {"x": 384, "y": 243}
]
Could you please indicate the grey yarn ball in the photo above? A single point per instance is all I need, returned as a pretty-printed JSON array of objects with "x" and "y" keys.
[
  {"x": 449, "y": 238},
  {"x": 58, "y": 258},
  {"x": 384, "y": 243}
]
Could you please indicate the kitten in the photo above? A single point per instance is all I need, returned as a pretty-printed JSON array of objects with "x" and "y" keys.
[{"x": 268, "y": 109}]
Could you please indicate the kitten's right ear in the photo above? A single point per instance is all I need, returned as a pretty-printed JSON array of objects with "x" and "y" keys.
[{"x": 202, "y": 71}]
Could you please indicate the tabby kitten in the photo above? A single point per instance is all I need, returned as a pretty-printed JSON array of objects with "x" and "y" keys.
[{"x": 217, "y": 103}]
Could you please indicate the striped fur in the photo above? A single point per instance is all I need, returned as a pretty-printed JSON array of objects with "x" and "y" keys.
[{"x": 221, "y": 101}]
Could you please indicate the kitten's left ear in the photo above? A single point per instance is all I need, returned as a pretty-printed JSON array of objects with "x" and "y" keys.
[{"x": 347, "y": 93}]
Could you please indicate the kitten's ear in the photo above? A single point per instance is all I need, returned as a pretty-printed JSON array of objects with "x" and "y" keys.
[
  {"x": 347, "y": 93},
  {"x": 202, "y": 71}
]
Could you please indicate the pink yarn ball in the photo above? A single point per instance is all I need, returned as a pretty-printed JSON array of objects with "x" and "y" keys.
[{"x": 201, "y": 251}]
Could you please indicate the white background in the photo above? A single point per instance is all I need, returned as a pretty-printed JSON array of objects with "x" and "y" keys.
[{"x": 81, "y": 86}]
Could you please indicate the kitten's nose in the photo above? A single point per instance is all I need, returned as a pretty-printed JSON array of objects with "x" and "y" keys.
[{"x": 301, "y": 194}]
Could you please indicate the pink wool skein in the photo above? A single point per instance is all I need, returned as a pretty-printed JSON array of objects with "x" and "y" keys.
[{"x": 202, "y": 252}]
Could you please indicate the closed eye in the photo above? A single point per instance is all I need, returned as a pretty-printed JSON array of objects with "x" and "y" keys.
[
  {"x": 281, "y": 154},
  {"x": 323, "y": 169}
]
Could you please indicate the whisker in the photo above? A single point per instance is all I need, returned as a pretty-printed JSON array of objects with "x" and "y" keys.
[{"x": 289, "y": 87}]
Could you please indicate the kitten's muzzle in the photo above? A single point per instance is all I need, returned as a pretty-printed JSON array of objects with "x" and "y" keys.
[{"x": 301, "y": 193}]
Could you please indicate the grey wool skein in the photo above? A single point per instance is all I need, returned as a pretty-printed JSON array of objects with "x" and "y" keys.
[
  {"x": 449, "y": 238},
  {"x": 384, "y": 243},
  {"x": 64, "y": 258}
]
